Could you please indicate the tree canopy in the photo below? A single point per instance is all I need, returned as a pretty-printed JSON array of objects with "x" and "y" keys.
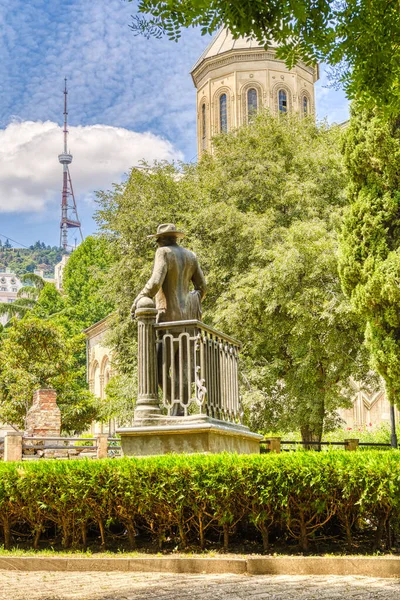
[
  {"x": 262, "y": 215},
  {"x": 37, "y": 353},
  {"x": 360, "y": 38},
  {"x": 43, "y": 343},
  {"x": 83, "y": 281},
  {"x": 370, "y": 240}
]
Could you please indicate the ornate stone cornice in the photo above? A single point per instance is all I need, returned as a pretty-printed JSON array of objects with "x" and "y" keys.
[{"x": 234, "y": 56}]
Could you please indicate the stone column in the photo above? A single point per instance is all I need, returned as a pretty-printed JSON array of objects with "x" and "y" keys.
[
  {"x": 102, "y": 445},
  {"x": 351, "y": 444},
  {"x": 274, "y": 444},
  {"x": 147, "y": 405},
  {"x": 12, "y": 446}
]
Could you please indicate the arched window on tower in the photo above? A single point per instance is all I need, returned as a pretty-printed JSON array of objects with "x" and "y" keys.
[
  {"x": 252, "y": 103},
  {"x": 223, "y": 114},
  {"x": 203, "y": 128},
  {"x": 282, "y": 101},
  {"x": 306, "y": 106}
]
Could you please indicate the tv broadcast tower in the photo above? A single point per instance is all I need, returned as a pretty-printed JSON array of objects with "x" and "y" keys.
[{"x": 68, "y": 204}]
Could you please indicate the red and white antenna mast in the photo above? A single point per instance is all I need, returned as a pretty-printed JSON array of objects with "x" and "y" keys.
[{"x": 69, "y": 213}]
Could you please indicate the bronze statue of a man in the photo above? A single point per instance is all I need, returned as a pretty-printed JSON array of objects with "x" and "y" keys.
[{"x": 175, "y": 268}]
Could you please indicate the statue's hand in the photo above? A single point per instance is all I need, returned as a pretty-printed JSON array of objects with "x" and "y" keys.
[
  {"x": 134, "y": 306},
  {"x": 142, "y": 301}
]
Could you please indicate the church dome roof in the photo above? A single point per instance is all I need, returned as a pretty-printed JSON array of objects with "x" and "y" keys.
[{"x": 225, "y": 42}]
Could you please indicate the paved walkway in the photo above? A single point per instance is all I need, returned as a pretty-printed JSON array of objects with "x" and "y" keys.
[{"x": 149, "y": 586}]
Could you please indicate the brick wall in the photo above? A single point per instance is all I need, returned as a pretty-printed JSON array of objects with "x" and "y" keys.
[{"x": 44, "y": 416}]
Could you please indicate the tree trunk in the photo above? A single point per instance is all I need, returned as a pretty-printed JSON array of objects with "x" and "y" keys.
[
  {"x": 265, "y": 537},
  {"x": 201, "y": 532},
  {"x": 389, "y": 535},
  {"x": 311, "y": 431},
  {"x": 7, "y": 534},
  {"x": 131, "y": 535},
  {"x": 84, "y": 535},
  {"x": 379, "y": 532},
  {"x": 182, "y": 533},
  {"x": 66, "y": 538},
  {"x": 102, "y": 532},
  {"x": 349, "y": 536},
  {"x": 309, "y": 434},
  {"x": 226, "y": 536},
  {"x": 303, "y": 533},
  {"x": 36, "y": 537}
]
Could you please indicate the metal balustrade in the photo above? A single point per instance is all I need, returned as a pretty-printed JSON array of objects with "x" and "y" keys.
[{"x": 198, "y": 371}]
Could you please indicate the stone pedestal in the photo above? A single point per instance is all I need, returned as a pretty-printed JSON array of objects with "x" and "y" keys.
[
  {"x": 44, "y": 416},
  {"x": 188, "y": 435}
]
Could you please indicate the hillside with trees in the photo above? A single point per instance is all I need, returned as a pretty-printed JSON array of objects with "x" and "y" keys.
[{"x": 27, "y": 260}]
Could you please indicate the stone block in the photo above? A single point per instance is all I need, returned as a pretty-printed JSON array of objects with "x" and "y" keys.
[
  {"x": 169, "y": 564},
  {"x": 113, "y": 563},
  {"x": 376, "y": 566}
]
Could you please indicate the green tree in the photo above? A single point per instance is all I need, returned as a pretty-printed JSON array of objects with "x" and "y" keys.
[
  {"x": 358, "y": 37},
  {"x": 83, "y": 281},
  {"x": 370, "y": 240},
  {"x": 37, "y": 297},
  {"x": 261, "y": 213},
  {"x": 36, "y": 354}
]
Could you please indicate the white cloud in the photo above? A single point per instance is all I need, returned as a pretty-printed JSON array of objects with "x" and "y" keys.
[
  {"x": 31, "y": 176},
  {"x": 114, "y": 77}
]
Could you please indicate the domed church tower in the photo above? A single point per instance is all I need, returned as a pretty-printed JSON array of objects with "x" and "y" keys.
[{"x": 235, "y": 78}]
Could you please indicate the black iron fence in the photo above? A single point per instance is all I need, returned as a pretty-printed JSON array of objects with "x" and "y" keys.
[{"x": 278, "y": 445}]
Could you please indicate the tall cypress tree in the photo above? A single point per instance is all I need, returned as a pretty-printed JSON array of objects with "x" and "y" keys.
[{"x": 369, "y": 261}]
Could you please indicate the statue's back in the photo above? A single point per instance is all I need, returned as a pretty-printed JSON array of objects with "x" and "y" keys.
[{"x": 174, "y": 299}]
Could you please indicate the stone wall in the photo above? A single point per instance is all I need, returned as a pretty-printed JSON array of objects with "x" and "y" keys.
[{"x": 99, "y": 368}]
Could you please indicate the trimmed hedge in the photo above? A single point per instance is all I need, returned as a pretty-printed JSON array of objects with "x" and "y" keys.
[{"x": 190, "y": 500}]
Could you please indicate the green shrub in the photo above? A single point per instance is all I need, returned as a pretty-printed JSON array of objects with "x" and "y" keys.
[{"x": 190, "y": 500}]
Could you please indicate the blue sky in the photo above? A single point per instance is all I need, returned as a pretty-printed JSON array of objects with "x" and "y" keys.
[{"x": 129, "y": 98}]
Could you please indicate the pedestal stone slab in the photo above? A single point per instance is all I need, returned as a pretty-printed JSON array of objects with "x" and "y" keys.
[{"x": 188, "y": 436}]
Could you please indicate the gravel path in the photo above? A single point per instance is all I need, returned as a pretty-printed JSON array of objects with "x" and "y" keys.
[{"x": 17, "y": 585}]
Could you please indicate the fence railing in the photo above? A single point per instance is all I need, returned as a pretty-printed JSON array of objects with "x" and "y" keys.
[
  {"x": 198, "y": 370},
  {"x": 276, "y": 444},
  {"x": 17, "y": 446}
]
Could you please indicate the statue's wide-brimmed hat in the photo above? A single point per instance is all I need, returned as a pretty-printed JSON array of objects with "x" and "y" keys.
[{"x": 167, "y": 229}]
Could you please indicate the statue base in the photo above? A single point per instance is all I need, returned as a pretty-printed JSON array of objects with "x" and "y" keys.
[{"x": 187, "y": 435}]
